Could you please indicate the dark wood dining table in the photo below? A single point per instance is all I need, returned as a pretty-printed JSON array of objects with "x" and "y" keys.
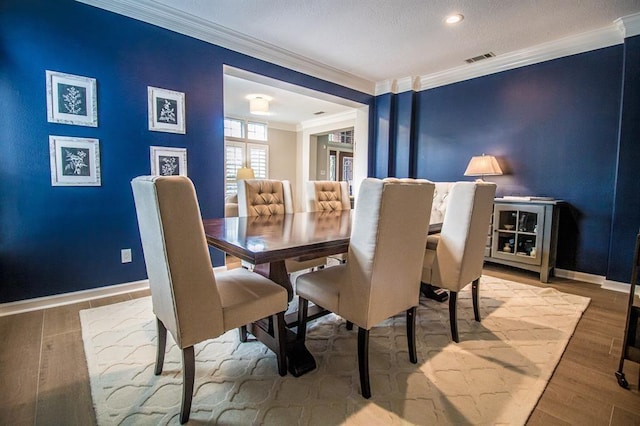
[{"x": 266, "y": 241}]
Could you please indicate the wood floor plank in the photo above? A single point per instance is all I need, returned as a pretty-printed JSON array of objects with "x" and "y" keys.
[
  {"x": 21, "y": 336},
  {"x": 109, "y": 300},
  {"x": 63, "y": 319},
  {"x": 622, "y": 417},
  {"x": 582, "y": 390},
  {"x": 64, "y": 395}
]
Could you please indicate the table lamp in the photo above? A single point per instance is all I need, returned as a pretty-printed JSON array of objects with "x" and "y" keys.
[
  {"x": 245, "y": 173},
  {"x": 483, "y": 165}
]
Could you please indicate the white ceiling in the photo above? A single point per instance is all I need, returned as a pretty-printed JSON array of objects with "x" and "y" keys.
[
  {"x": 290, "y": 105},
  {"x": 370, "y": 42},
  {"x": 388, "y": 39}
]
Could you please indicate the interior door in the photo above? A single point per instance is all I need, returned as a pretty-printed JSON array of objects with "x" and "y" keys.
[{"x": 345, "y": 166}]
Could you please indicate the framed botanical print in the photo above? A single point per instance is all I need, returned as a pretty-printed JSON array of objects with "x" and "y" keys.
[
  {"x": 71, "y": 99},
  {"x": 166, "y": 110},
  {"x": 74, "y": 161},
  {"x": 167, "y": 161}
]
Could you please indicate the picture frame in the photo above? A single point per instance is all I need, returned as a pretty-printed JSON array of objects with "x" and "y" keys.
[
  {"x": 71, "y": 99},
  {"x": 166, "y": 110},
  {"x": 166, "y": 161},
  {"x": 74, "y": 161}
]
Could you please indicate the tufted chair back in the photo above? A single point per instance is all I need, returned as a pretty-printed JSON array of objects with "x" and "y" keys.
[
  {"x": 440, "y": 201},
  {"x": 262, "y": 197},
  {"x": 326, "y": 195}
]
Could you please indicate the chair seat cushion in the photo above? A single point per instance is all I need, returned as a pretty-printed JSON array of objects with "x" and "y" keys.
[
  {"x": 295, "y": 265},
  {"x": 247, "y": 296},
  {"x": 323, "y": 287},
  {"x": 427, "y": 265}
]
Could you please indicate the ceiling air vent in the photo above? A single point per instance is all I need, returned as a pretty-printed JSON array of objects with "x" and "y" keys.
[
  {"x": 480, "y": 57},
  {"x": 318, "y": 113}
]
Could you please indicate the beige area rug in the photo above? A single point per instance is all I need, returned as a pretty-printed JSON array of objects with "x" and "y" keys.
[{"x": 495, "y": 375}]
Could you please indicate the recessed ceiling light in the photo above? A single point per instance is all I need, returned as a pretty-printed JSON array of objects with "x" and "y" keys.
[{"x": 454, "y": 19}]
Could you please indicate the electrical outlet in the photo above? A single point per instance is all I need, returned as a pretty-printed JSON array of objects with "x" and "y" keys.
[{"x": 125, "y": 255}]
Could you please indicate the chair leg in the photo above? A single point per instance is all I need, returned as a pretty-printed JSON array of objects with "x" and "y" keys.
[
  {"x": 363, "y": 361},
  {"x": 349, "y": 325},
  {"x": 162, "y": 344},
  {"x": 188, "y": 377},
  {"x": 453, "y": 315},
  {"x": 280, "y": 335},
  {"x": 411, "y": 334},
  {"x": 303, "y": 307},
  {"x": 476, "y": 298},
  {"x": 242, "y": 333}
]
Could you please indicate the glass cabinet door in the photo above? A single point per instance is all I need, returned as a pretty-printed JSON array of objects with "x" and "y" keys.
[{"x": 518, "y": 233}]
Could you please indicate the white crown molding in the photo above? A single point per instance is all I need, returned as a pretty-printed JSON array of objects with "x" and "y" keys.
[
  {"x": 567, "y": 46},
  {"x": 383, "y": 87},
  {"x": 404, "y": 84},
  {"x": 397, "y": 86},
  {"x": 196, "y": 27},
  {"x": 629, "y": 25}
]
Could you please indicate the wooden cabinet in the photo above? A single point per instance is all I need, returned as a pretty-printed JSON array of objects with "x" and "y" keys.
[{"x": 524, "y": 234}]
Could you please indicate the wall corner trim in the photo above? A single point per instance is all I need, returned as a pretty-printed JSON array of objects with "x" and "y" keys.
[{"x": 629, "y": 26}]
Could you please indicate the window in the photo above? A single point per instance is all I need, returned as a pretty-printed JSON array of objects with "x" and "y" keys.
[
  {"x": 241, "y": 153},
  {"x": 233, "y": 128},
  {"x": 256, "y": 131},
  {"x": 342, "y": 136}
]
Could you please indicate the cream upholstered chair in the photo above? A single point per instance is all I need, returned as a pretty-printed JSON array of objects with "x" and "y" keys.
[
  {"x": 382, "y": 276},
  {"x": 263, "y": 197},
  {"x": 188, "y": 300},
  {"x": 454, "y": 258},
  {"x": 328, "y": 195}
]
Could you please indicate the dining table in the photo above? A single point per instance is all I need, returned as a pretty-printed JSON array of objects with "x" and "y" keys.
[{"x": 267, "y": 241}]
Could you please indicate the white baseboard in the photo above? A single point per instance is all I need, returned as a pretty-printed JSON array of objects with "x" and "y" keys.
[
  {"x": 602, "y": 281},
  {"x": 113, "y": 290},
  {"x": 77, "y": 296},
  {"x": 69, "y": 298},
  {"x": 579, "y": 276}
]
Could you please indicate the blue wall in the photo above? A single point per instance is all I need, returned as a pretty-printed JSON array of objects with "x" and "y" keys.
[
  {"x": 63, "y": 239},
  {"x": 555, "y": 127},
  {"x": 626, "y": 215}
]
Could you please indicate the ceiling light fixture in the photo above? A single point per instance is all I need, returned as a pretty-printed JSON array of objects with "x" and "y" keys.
[
  {"x": 259, "y": 104},
  {"x": 454, "y": 19}
]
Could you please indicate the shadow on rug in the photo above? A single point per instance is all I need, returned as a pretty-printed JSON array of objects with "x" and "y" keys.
[{"x": 494, "y": 375}]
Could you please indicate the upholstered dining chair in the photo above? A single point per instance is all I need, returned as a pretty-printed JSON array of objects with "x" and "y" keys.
[
  {"x": 188, "y": 299},
  {"x": 382, "y": 276},
  {"x": 263, "y": 197},
  {"x": 454, "y": 258},
  {"x": 328, "y": 195}
]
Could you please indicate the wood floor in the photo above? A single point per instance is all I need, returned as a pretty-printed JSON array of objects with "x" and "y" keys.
[{"x": 45, "y": 379}]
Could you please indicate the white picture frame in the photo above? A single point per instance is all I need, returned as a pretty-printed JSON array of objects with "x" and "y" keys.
[
  {"x": 167, "y": 161},
  {"x": 166, "y": 110},
  {"x": 74, "y": 161},
  {"x": 71, "y": 99}
]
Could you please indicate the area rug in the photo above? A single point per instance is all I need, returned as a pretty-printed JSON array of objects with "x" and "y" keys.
[{"x": 495, "y": 375}]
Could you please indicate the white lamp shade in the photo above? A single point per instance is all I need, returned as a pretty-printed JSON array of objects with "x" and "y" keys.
[
  {"x": 259, "y": 106},
  {"x": 245, "y": 173},
  {"x": 483, "y": 165}
]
